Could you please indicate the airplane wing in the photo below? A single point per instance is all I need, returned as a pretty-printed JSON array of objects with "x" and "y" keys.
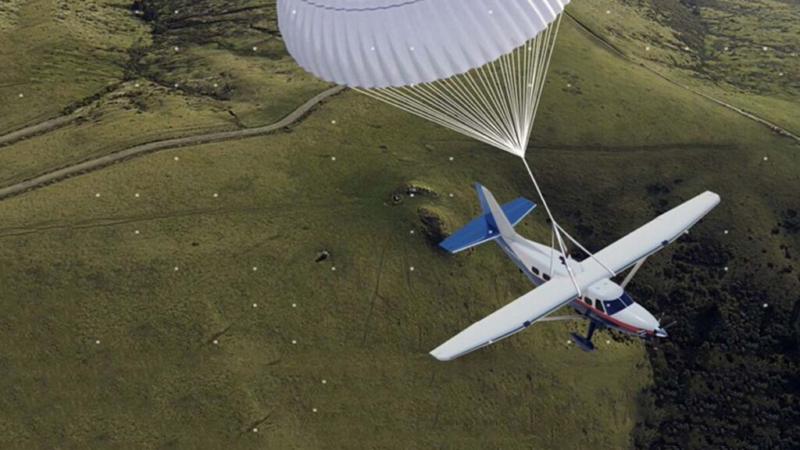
[
  {"x": 654, "y": 236},
  {"x": 513, "y": 317},
  {"x": 522, "y": 312}
]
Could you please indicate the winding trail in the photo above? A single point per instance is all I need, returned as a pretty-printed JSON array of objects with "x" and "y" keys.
[
  {"x": 39, "y": 128},
  {"x": 152, "y": 147},
  {"x": 775, "y": 128}
]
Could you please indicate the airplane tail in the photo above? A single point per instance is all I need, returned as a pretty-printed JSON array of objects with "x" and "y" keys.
[{"x": 495, "y": 222}]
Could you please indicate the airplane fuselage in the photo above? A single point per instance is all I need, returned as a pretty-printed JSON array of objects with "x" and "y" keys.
[{"x": 605, "y": 303}]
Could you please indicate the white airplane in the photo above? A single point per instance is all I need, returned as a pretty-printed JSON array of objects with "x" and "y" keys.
[{"x": 588, "y": 288}]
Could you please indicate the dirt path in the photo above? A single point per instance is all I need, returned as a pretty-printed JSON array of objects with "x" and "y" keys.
[
  {"x": 39, "y": 128},
  {"x": 775, "y": 128},
  {"x": 152, "y": 147}
]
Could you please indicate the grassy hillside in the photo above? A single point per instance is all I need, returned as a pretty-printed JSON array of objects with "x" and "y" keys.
[
  {"x": 189, "y": 298},
  {"x": 58, "y": 52},
  {"x": 743, "y": 52}
]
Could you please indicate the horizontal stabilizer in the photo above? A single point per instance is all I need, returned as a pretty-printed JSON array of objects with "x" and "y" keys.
[{"x": 483, "y": 229}]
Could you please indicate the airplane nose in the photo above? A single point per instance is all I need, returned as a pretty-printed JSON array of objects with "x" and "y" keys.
[{"x": 639, "y": 317}]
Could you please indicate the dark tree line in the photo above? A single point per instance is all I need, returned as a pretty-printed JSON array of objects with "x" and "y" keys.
[{"x": 727, "y": 378}]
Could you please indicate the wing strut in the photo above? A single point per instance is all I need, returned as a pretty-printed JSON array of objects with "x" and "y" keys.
[{"x": 633, "y": 272}]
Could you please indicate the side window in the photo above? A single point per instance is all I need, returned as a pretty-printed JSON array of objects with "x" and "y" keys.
[
  {"x": 587, "y": 300},
  {"x": 546, "y": 277},
  {"x": 600, "y": 306},
  {"x": 535, "y": 270}
]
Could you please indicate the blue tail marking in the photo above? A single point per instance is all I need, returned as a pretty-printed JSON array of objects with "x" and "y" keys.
[{"x": 483, "y": 228}]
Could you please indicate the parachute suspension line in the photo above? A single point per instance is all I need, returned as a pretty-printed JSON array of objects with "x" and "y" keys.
[
  {"x": 591, "y": 255},
  {"x": 551, "y": 41},
  {"x": 495, "y": 103},
  {"x": 556, "y": 233}
]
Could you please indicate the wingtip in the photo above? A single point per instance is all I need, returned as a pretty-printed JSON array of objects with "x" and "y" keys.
[{"x": 438, "y": 354}]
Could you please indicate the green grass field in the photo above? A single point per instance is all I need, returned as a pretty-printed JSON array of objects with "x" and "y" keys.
[
  {"x": 743, "y": 52},
  {"x": 183, "y": 307}
]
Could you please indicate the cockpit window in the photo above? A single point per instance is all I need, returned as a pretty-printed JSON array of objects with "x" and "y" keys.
[
  {"x": 626, "y": 299},
  {"x": 613, "y": 306}
]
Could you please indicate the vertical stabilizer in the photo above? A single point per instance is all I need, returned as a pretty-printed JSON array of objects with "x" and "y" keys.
[{"x": 500, "y": 220}]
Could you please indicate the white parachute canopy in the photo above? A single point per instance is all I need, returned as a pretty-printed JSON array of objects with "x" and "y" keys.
[{"x": 474, "y": 66}]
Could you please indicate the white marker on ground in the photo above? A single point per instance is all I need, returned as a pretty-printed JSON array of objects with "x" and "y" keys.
[
  {"x": 97, "y": 342},
  {"x": 255, "y": 305},
  {"x": 216, "y": 342},
  {"x": 411, "y": 268}
]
